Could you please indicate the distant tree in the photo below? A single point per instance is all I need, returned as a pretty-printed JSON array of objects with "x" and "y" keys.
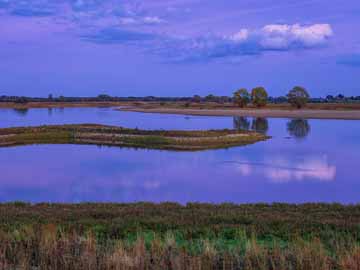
[
  {"x": 280, "y": 99},
  {"x": 50, "y": 97},
  {"x": 241, "y": 97},
  {"x": 224, "y": 99},
  {"x": 210, "y": 97},
  {"x": 298, "y": 97},
  {"x": 21, "y": 100},
  {"x": 329, "y": 98},
  {"x": 21, "y": 111},
  {"x": 259, "y": 96},
  {"x": 196, "y": 99},
  {"x": 148, "y": 98},
  {"x": 298, "y": 128},
  {"x": 103, "y": 97}
]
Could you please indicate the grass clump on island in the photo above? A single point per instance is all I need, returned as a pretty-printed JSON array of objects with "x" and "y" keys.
[
  {"x": 173, "y": 236},
  {"x": 118, "y": 136}
]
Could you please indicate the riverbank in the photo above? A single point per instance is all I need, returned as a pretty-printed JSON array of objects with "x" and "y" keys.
[
  {"x": 341, "y": 111},
  {"x": 30, "y": 105},
  {"x": 340, "y": 114},
  {"x": 173, "y": 236},
  {"x": 124, "y": 137}
]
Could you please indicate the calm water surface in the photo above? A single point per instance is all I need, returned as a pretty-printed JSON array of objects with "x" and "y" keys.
[{"x": 315, "y": 160}]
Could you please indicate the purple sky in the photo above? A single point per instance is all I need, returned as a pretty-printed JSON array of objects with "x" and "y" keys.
[{"x": 178, "y": 47}]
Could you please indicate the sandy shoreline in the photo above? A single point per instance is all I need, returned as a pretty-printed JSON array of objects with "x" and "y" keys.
[{"x": 275, "y": 113}]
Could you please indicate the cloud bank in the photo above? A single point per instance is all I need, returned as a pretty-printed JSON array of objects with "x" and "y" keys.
[
  {"x": 273, "y": 37},
  {"x": 147, "y": 20},
  {"x": 126, "y": 21},
  {"x": 114, "y": 35}
]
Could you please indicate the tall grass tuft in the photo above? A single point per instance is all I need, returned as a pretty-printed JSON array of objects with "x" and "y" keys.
[{"x": 49, "y": 247}]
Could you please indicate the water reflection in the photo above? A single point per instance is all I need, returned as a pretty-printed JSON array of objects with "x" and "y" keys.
[
  {"x": 275, "y": 170},
  {"x": 240, "y": 122},
  {"x": 21, "y": 111},
  {"x": 258, "y": 124},
  {"x": 279, "y": 169},
  {"x": 298, "y": 128}
]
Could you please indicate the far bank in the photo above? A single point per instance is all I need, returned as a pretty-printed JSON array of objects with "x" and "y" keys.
[{"x": 312, "y": 111}]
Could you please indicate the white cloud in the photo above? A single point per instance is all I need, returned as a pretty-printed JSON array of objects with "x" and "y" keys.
[
  {"x": 276, "y": 36},
  {"x": 272, "y": 37},
  {"x": 128, "y": 21},
  {"x": 152, "y": 20},
  {"x": 284, "y": 36},
  {"x": 149, "y": 20},
  {"x": 240, "y": 36}
]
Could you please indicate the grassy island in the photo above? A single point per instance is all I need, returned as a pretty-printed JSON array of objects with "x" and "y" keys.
[
  {"x": 118, "y": 136},
  {"x": 173, "y": 236}
]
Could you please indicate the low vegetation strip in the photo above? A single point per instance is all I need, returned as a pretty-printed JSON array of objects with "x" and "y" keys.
[
  {"x": 118, "y": 136},
  {"x": 173, "y": 236}
]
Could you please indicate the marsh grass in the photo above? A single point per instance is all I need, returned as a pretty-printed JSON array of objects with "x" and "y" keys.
[
  {"x": 48, "y": 247},
  {"x": 118, "y": 136},
  {"x": 172, "y": 236}
]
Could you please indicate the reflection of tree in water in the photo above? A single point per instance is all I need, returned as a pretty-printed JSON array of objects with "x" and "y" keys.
[
  {"x": 260, "y": 125},
  {"x": 241, "y": 123},
  {"x": 298, "y": 128},
  {"x": 21, "y": 111}
]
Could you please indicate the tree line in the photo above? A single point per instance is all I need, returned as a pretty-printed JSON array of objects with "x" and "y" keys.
[{"x": 297, "y": 97}]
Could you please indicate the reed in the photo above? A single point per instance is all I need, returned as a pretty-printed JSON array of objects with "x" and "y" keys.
[
  {"x": 173, "y": 236},
  {"x": 47, "y": 247}
]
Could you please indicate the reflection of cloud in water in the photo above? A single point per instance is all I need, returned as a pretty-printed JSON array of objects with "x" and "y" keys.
[
  {"x": 310, "y": 169},
  {"x": 245, "y": 169},
  {"x": 281, "y": 171}
]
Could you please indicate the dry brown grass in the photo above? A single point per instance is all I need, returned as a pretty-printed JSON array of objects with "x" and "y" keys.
[{"x": 49, "y": 248}]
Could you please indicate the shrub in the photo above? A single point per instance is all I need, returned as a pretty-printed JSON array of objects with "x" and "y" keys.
[
  {"x": 259, "y": 96},
  {"x": 241, "y": 97},
  {"x": 298, "y": 97}
]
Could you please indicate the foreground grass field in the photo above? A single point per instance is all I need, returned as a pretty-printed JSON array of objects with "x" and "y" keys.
[
  {"x": 118, "y": 136},
  {"x": 172, "y": 236}
]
